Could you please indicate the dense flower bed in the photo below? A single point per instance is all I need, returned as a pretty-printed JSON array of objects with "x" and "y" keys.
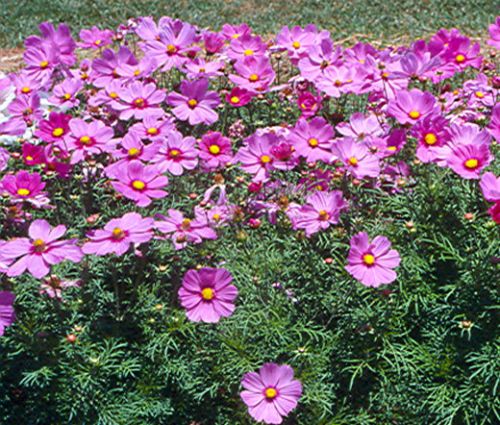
[{"x": 163, "y": 149}]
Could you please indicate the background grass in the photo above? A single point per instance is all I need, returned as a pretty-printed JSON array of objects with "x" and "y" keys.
[{"x": 390, "y": 21}]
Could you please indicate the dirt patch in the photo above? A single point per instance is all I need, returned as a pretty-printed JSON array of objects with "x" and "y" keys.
[{"x": 11, "y": 59}]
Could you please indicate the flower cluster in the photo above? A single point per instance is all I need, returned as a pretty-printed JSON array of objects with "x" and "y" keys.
[{"x": 140, "y": 125}]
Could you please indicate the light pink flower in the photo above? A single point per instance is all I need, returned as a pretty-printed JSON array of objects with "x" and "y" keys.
[
  {"x": 176, "y": 154},
  {"x": 357, "y": 158},
  {"x": 40, "y": 251}
]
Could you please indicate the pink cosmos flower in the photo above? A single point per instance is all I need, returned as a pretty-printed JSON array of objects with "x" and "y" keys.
[
  {"x": 214, "y": 42},
  {"x": 40, "y": 251},
  {"x": 361, "y": 126},
  {"x": 271, "y": 393},
  {"x": 153, "y": 127},
  {"x": 87, "y": 139},
  {"x": 255, "y": 74},
  {"x": 207, "y": 294},
  {"x": 140, "y": 183},
  {"x": 246, "y": 46},
  {"x": 105, "y": 68},
  {"x": 372, "y": 263},
  {"x": 357, "y": 158},
  {"x": 469, "y": 160},
  {"x": 40, "y": 63},
  {"x": 322, "y": 209},
  {"x": 118, "y": 234},
  {"x": 410, "y": 106},
  {"x": 215, "y": 150},
  {"x": 337, "y": 80},
  {"x": 494, "y": 127},
  {"x": 24, "y": 187},
  {"x": 490, "y": 186},
  {"x": 184, "y": 230},
  {"x": 200, "y": 68},
  {"x": 55, "y": 128},
  {"x": 176, "y": 154},
  {"x": 64, "y": 94},
  {"x": 108, "y": 95},
  {"x": 238, "y": 97},
  {"x": 297, "y": 41},
  {"x": 139, "y": 100},
  {"x": 235, "y": 31},
  {"x": 33, "y": 154},
  {"x": 312, "y": 140},
  {"x": 494, "y": 30},
  {"x": 170, "y": 45},
  {"x": 53, "y": 286},
  {"x": 432, "y": 133},
  {"x": 94, "y": 38},
  {"x": 7, "y": 312},
  {"x": 258, "y": 156},
  {"x": 195, "y": 103},
  {"x": 131, "y": 149}
]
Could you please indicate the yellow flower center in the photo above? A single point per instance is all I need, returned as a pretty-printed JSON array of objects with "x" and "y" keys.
[
  {"x": 29, "y": 158},
  {"x": 186, "y": 224},
  {"x": 44, "y": 64},
  {"x": 460, "y": 58},
  {"x": 39, "y": 245},
  {"x": 138, "y": 185},
  {"x": 152, "y": 131},
  {"x": 414, "y": 115},
  {"x": 216, "y": 217},
  {"x": 67, "y": 96},
  {"x": 471, "y": 163},
  {"x": 369, "y": 259},
  {"x": 23, "y": 192},
  {"x": 192, "y": 103},
  {"x": 235, "y": 99},
  {"x": 391, "y": 148},
  {"x": 430, "y": 139},
  {"x": 270, "y": 393},
  {"x": 479, "y": 94},
  {"x": 265, "y": 159},
  {"x": 253, "y": 78},
  {"x": 25, "y": 90},
  {"x": 248, "y": 52},
  {"x": 139, "y": 102},
  {"x": 133, "y": 152},
  {"x": 171, "y": 48},
  {"x": 85, "y": 140},
  {"x": 214, "y": 149},
  {"x": 118, "y": 233},
  {"x": 337, "y": 83},
  {"x": 97, "y": 42},
  {"x": 385, "y": 75},
  {"x": 174, "y": 153},
  {"x": 313, "y": 142},
  {"x": 113, "y": 95},
  {"x": 207, "y": 294},
  {"x": 58, "y": 132},
  {"x": 353, "y": 161},
  {"x": 296, "y": 45},
  {"x": 137, "y": 72},
  {"x": 323, "y": 215}
]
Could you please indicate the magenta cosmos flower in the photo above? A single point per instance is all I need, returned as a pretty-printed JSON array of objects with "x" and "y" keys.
[
  {"x": 322, "y": 209},
  {"x": 55, "y": 128},
  {"x": 215, "y": 150},
  {"x": 372, "y": 263},
  {"x": 40, "y": 251},
  {"x": 7, "y": 313},
  {"x": 140, "y": 182},
  {"x": 469, "y": 160},
  {"x": 271, "y": 393},
  {"x": 118, "y": 234},
  {"x": 87, "y": 139},
  {"x": 357, "y": 158},
  {"x": 207, "y": 294},
  {"x": 312, "y": 140},
  {"x": 195, "y": 103},
  {"x": 410, "y": 106},
  {"x": 94, "y": 38},
  {"x": 238, "y": 97},
  {"x": 183, "y": 230},
  {"x": 254, "y": 74},
  {"x": 176, "y": 154},
  {"x": 23, "y": 185},
  {"x": 490, "y": 186},
  {"x": 139, "y": 100}
]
